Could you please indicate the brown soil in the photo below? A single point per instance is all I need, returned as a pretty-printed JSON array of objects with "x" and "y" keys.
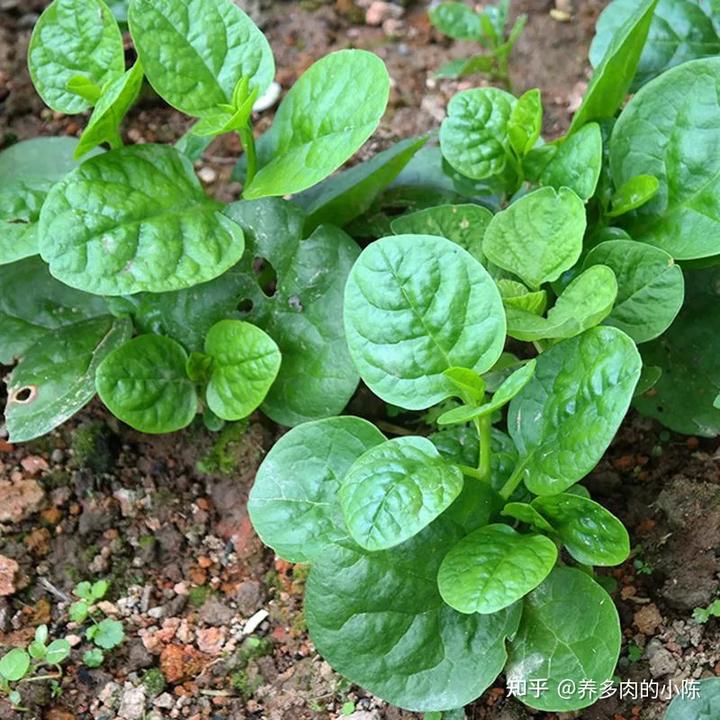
[{"x": 164, "y": 518}]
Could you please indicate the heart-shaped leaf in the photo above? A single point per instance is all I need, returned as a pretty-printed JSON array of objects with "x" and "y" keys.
[
  {"x": 493, "y": 567},
  {"x": 525, "y": 122},
  {"x": 135, "y": 219},
  {"x": 632, "y": 194},
  {"x": 144, "y": 383},
  {"x": 396, "y": 489},
  {"x": 293, "y": 504},
  {"x": 416, "y": 305},
  {"x": 14, "y": 665}
]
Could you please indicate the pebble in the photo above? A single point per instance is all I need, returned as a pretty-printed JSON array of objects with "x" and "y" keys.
[
  {"x": 164, "y": 701},
  {"x": 207, "y": 175},
  {"x": 380, "y": 11},
  {"x": 268, "y": 98},
  {"x": 132, "y": 702},
  {"x": 57, "y": 456},
  {"x": 8, "y": 570},
  {"x": 662, "y": 662},
  {"x": 255, "y": 621},
  {"x": 213, "y": 612}
]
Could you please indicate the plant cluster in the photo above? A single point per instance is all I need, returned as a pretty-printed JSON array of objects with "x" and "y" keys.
[{"x": 505, "y": 286}]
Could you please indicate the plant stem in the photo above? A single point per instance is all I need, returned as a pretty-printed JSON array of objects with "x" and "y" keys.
[
  {"x": 115, "y": 141},
  {"x": 483, "y": 427},
  {"x": 38, "y": 678},
  {"x": 470, "y": 472},
  {"x": 248, "y": 141},
  {"x": 513, "y": 481}
]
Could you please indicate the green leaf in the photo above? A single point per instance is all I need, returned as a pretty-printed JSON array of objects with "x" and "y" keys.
[
  {"x": 570, "y": 630},
  {"x": 246, "y": 361},
  {"x": 347, "y": 195},
  {"x": 634, "y": 193},
  {"x": 84, "y": 590},
  {"x": 614, "y": 74},
  {"x": 679, "y": 31},
  {"x": 304, "y": 315},
  {"x": 79, "y": 611},
  {"x": 135, "y": 219},
  {"x": 670, "y": 130},
  {"x": 99, "y": 589},
  {"x": 463, "y": 224},
  {"x": 396, "y": 489},
  {"x": 584, "y": 303},
  {"x": 591, "y": 534},
  {"x": 688, "y": 355},
  {"x": 107, "y": 634},
  {"x": 526, "y": 513},
  {"x": 56, "y": 375},
  {"x": 474, "y": 136},
  {"x": 539, "y": 236},
  {"x": 116, "y": 99},
  {"x": 144, "y": 383},
  {"x": 525, "y": 122},
  {"x": 36, "y": 650},
  {"x": 493, "y": 567},
  {"x": 650, "y": 287},
  {"x": 469, "y": 66},
  {"x": 416, "y": 305},
  {"x": 705, "y": 706},
  {"x": 74, "y": 38},
  {"x": 319, "y": 125},
  {"x": 516, "y": 296},
  {"x": 565, "y": 417},
  {"x": 213, "y": 45},
  {"x": 41, "y": 634},
  {"x": 467, "y": 382},
  {"x": 94, "y": 658},
  {"x": 14, "y": 665},
  {"x": 57, "y": 651},
  {"x": 293, "y": 504},
  {"x": 379, "y": 620},
  {"x": 575, "y": 162},
  {"x": 456, "y": 20}
]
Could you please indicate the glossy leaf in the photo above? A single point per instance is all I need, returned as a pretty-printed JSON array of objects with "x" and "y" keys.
[
  {"x": 194, "y": 52},
  {"x": 516, "y": 296},
  {"x": 584, "y": 303},
  {"x": 56, "y": 376},
  {"x": 634, "y": 193},
  {"x": 650, "y": 287},
  {"x": 474, "y": 136},
  {"x": 293, "y": 504},
  {"x": 571, "y": 631},
  {"x": 525, "y": 122},
  {"x": 245, "y": 363},
  {"x": 379, "y": 620},
  {"x": 539, "y": 236},
  {"x": 343, "y": 197},
  {"x": 74, "y": 39},
  {"x": 14, "y": 665},
  {"x": 416, "y": 305},
  {"x": 463, "y": 224},
  {"x": 679, "y": 31},
  {"x": 565, "y": 417},
  {"x": 493, "y": 567},
  {"x": 706, "y": 706},
  {"x": 135, "y": 219},
  {"x": 669, "y": 130},
  {"x": 526, "y": 513},
  {"x": 396, "y": 489},
  {"x": 144, "y": 383},
  {"x": 109, "y": 111},
  {"x": 614, "y": 74},
  {"x": 57, "y": 651},
  {"x": 591, "y": 534},
  {"x": 467, "y": 383},
  {"x": 326, "y": 117}
]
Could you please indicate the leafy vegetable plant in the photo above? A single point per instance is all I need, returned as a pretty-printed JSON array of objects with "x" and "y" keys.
[{"x": 488, "y": 27}]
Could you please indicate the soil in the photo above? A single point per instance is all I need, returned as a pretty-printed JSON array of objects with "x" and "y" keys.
[{"x": 213, "y": 622}]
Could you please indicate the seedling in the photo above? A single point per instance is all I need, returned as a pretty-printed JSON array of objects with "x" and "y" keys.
[{"x": 702, "y": 615}]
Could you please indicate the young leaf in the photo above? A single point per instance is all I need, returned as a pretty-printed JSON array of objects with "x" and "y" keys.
[
  {"x": 57, "y": 651},
  {"x": 144, "y": 383},
  {"x": 456, "y": 20},
  {"x": 467, "y": 382},
  {"x": 93, "y": 658},
  {"x": 378, "y": 618},
  {"x": 135, "y": 219},
  {"x": 71, "y": 39},
  {"x": 246, "y": 361},
  {"x": 565, "y": 417},
  {"x": 36, "y": 650},
  {"x": 213, "y": 45},
  {"x": 84, "y": 590},
  {"x": 474, "y": 136},
  {"x": 99, "y": 589},
  {"x": 293, "y": 503},
  {"x": 584, "y": 303},
  {"x": 56, "y": 376},
  {"x": 525, "y": 122},
  {"x": 526, "y": 513},
  {"x": 592, "y": 534},
  {"x": 117, "y": 98},
  {"x": 493, "y": 567},
  {"x": 571, "y": 629},
  {"x": 670, "y": 130},
  {"x": 613, "y": 76},
  {"x": 516, "y": 296},
  {"x": 41, "y": 634},
  {"x": 347, "y": 195},
  {"x": 325, "y": 118},
  {"x": 79, "y": 611},
  {"x": 634, "y": 193},
  {"x": 107, "y": 634},
  {"x": 679, "y": 31},
  {"x": 416, "y": 305},
  {"x": 396, "y": 489},
  {"x": 539, "y": 236},
  {"x": 650, "y": 287},
  {"x": 463, "y": 224},
  {"x": 14, "y": 665}
]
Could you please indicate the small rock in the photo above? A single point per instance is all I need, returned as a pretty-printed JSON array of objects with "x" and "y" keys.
[
  {"x": 211, "y": 640},
  {"x": 213, "y": 612},
  {"x": 662, "y": 662},
  {"x": 255, "y": 621},
  {"x": 181, "y": 662},
  {"x": 248, "y": 596},
  {"x": 165, "y": 701},
  {"x": 268, "y": 98},
  {"x": 57, "y": 456},
  {"x": 8, "y": 570},
  {"x": 19, "y": 498},
  {"x": 132, "y": 703},
  {"x": 73, "y": 640},
  {"x": 207, "y": 175},
  {"x": 138, "y": 657},
  {"x": 648, "y": 619},
  {"x": 34, "y": 464},
  {"x": 380, "y": 11},
  {"x": 157, "y": 612}
]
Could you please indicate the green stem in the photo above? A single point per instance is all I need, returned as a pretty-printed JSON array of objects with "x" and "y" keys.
[
  {"x": 38, "y": 678},
  {"x": 483, "y": 427},
  {"x": 115, "y": 140},
  {"x": 513, "y": 481},
  {"x": 470, "y": 472},
  {"x": 248, "y": 141}
]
